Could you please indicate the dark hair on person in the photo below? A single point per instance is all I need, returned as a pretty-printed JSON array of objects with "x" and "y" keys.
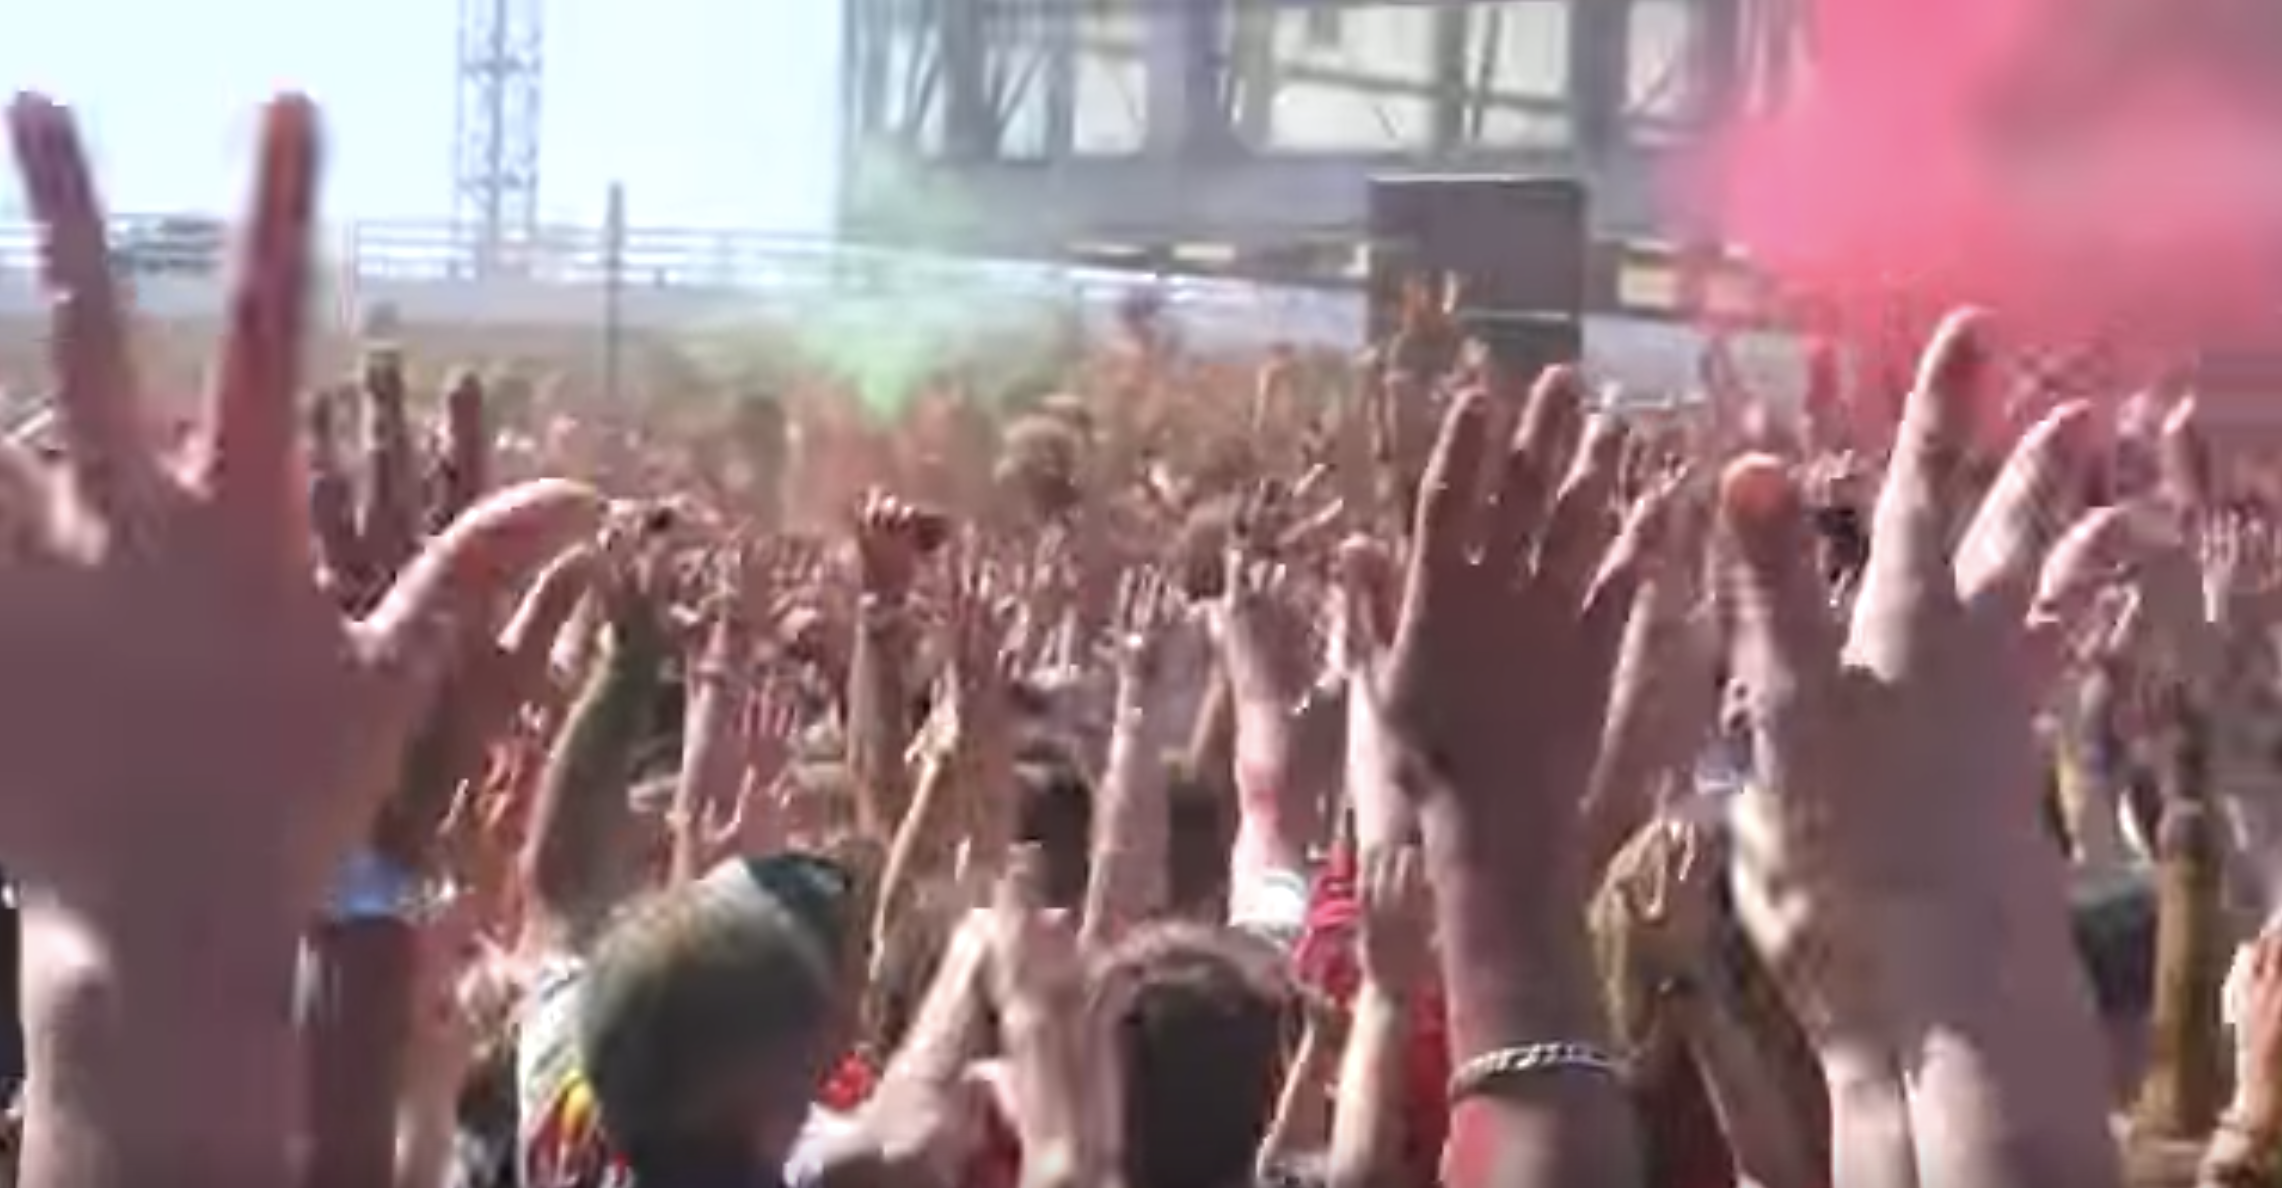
[
  {"x": 2114, "y": 927},
  {"x": 1054, "y": 811},
  {"x": 1199, "y": 829},
  {"x": 696, "y": 985},
  {"x": 1845, "y": 535},
  {"x": 911, "y": 954},
  {"x": 486, "y": 1112},
  {"x": 1205, "y": 1019}
]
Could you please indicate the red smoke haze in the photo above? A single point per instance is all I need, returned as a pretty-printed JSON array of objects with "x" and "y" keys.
[{"x": 2108, "y": 167}]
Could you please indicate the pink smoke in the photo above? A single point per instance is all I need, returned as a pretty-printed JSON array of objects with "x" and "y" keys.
[{"x": 2089, "y": 167}]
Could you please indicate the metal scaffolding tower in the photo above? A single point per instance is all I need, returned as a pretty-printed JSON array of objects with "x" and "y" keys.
[{"x": 495, "y": 152}]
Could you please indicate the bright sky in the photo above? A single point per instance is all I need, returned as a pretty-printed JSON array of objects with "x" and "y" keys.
[{"x": 715, "y": 113}]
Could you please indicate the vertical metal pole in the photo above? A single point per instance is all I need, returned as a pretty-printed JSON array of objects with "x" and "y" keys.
[
  {"x": 1450, "y": 129},
  {"x": 613, "y": 292},
  {"x": 1061, "y": 34},
  {"x": 961, "y": 39},
  {"x": 1599, "y": 44}
]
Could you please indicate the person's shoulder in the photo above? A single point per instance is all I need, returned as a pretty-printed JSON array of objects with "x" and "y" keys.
[
  {"x": 546, "y": 1038},
  {"x": 553, "y": 976},
  {"x": 549, "y": 1008}
]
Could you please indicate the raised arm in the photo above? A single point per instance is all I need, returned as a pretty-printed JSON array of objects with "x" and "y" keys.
[
  {"x": 170, "y": 879},
  {"x": 879, "y": 709},
  {"x": 1126, "y": 881},
  {"x": 712, "y": 741},
  {"x": 1895, "y": 866},
  {"x": 576, "y": 860},
  {"x": 1514, "y": 604},
  {"x": 1397, "y": 958}
]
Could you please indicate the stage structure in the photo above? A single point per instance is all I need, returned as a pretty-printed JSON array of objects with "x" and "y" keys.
[{"x": 1240, "y": 136}]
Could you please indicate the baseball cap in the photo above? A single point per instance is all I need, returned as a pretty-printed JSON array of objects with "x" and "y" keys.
[{"x": 702, "y": 980}]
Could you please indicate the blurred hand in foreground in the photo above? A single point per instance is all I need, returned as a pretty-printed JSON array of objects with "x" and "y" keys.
[
  {"x": 1891, "y": 861},
  {"x": 182, "y": 607}
]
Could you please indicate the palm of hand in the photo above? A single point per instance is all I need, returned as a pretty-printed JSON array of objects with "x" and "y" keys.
[
  {"x": 1511, "y": 618},
  {"x": 184, "y": 610},
  {"x": 1890, "y": 840},
  {"x": 231, "y": 694}
]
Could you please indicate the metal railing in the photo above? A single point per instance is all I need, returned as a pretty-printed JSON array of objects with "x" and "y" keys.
[
  {"x": 367, "y": 257},
  {"x": 653, "y": 257},
  {"x": 646, "y": 258},
  {"x": 559, "y": 269},
  {"x": 391, "y": 257}
]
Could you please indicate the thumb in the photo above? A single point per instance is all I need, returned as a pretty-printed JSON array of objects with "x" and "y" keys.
[
  {"x": 409, "y": 638},
  {"x": 492, "y": 547},
  {"x": 408, "y": 664}
]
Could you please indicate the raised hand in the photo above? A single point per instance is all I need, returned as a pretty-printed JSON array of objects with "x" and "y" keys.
[
  {"x": 462, "y": 465},
  {"x": 1148, "y": 613},
  {"x": 365, "y": 544},
  {"x": 2242, "y": 590},
  {"x": 394, "y": 517},
  {"x": 1132, "y": 816},
  {"x": 183, "y": 607},
  {"x": 1062, "y": 1074},
  {"x": 1510, "y": 619},
  {"x": 892, "y": 537},
  {"x": 1664, "y": 701},
  {"x": 195, "y": 736},
  {"x": 1891, "y": 861},
  {"x": 1514, "y": 602},
  {"x": 333, "y": 499},
  {"x": 1396, "y": 941},
  {"x": 1281, "y": 761},
  {"x": 489, "y": 676}
]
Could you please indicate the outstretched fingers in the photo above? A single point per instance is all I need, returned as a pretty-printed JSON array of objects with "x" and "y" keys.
[
  {"x": 467, "y": 446},
  {"x": 529, "y": 640},
  {"x": 2186, "y": 460},
  {"x": 1577, "y": 530},
  {"x": 489, "y": 550},
  {"x": 1533, "y": 464},
  {"x": 1448, "y": 526},
  {"x": 1640, "y": 549},
  {"x": 252, "y": 465},
  {"x": 113, "y": 466},
  {"x": 2035, "y": 500},
  {"x": 1909, "y": 578},
  {"x": 1366, "y": 578},
  {"x": 2093, "y": 555}
]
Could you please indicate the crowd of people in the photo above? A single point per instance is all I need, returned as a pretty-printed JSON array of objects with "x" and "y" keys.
[{"x": 1359, "y": 773}]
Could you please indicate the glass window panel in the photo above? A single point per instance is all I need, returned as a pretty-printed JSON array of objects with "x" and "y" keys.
[
  {"x": 1524, "y": 44},
  {"x": 1361, "y": 85},
  {"x": 914, "y": 90},
  {"x": 1659, "y": 84},
  {"x": 1111, "y": 89},
  {"x": 1517, "y": 71},
  {"x": 1017, "y": 88}
]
